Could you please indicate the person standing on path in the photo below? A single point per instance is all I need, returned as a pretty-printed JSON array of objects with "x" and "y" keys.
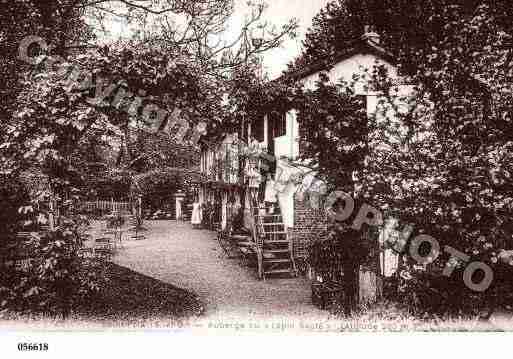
[
  {"x": 196, "y": 214},
  {"x": 270, "y": 195}
]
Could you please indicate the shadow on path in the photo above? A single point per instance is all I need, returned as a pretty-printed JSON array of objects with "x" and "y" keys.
[{"x": 130, "y": 295}]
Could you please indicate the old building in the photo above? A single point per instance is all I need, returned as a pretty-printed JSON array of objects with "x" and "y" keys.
[{"x": 278, "y": 136}]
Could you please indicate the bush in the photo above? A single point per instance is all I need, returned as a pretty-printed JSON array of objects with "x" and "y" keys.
[
  {"x": 13, "y": 194},
  {"x": 55, "y": 278},
  {"x": 429, "y": 293},
  {"x": 115, "y": 220}
]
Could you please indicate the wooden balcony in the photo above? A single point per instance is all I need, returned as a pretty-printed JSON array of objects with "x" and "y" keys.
[{"x": 224, "y": 166}]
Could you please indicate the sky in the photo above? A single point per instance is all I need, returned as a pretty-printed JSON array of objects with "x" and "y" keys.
[{"x": 278, "y": 13}]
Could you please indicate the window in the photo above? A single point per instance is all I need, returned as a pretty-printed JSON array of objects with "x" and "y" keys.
[
  {"x": 257, "y": 129},
  {"x": 277, "y": 124}
]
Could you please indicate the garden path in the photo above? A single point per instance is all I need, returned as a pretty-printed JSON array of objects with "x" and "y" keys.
[{"x": 192, "y": 259}]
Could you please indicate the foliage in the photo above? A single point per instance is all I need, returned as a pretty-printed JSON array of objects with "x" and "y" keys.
[
  {"x": 60, "y": 25},
  {"x": 334, "y": 29},
  {"x": 158, "y": 187},
  {"x": 45, "y": 272},
  {"x": 57, "y": 118},
  {"x": 444, "y": 161},
  {"x": 159, "y": 150},
  {"x": 438, "y": 157},
  {"x": 115, "y": 220},
  {"x": 169, "y": 68},
  {"x": 110, "y": 184},
  {"x": 12, "y": 194},
  {"x": 449, "y": 170},
  {"x": 56, "y": 278},
  {"x": 200, "y": 28},
  {"x": 67, "y": 114},
  {"x": 333, "y": 116}
]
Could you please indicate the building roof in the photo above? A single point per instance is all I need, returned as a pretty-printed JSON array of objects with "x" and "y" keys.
[
  {"x": 366, "y": 44},
  {"x": 363, "y": 45}
]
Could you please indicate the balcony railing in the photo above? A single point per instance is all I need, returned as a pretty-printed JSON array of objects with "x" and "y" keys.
[
  {"x": 227, "y": 164},
  {"x": 224, "y": 165}
]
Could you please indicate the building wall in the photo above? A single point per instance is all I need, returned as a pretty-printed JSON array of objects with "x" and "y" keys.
[
  {"x": 209, "y": 158},
  {"x": 290, "y": 146},
  {"x": 345, "y": 70},
  {"x": 309, "y": 223}
]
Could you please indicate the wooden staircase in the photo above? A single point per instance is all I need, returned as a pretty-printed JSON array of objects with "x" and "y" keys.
[{"x": 274, "y": 248}]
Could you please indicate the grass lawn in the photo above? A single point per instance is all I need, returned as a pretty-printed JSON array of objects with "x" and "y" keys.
[{"x": 128, "y": 299}]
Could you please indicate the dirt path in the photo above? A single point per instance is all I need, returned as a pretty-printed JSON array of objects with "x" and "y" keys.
[{"x": 192, "y": 259}]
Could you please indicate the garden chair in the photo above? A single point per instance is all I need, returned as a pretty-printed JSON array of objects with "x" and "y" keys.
[
  {"x": 103, "y": 248},
  {"x": 247, "y": 252},
  {"x": 117, "y": 236},
  {"x": 244, "y": 248},
  {"x": 87, "y": 252},
  {"x": 114, "y": 229},
  {"x": 231, "y": 251}
]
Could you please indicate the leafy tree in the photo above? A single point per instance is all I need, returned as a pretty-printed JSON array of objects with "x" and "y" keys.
[
  {"x": 448, "y": 169},
  {"x": 334, "y": 134},
  {"x": 175, "y": 67},
  {"x": 64, "y": 27},
  {"x": 333, "y": 116},
  {"x": 442, "y": 160},
  {"x": 334, "y": 29}
]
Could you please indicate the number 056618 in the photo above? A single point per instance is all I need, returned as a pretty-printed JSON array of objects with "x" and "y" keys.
[{"x": 28, "y": 347}]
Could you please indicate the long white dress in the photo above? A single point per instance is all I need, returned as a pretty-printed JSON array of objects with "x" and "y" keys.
[
  {"x": 196, "y": 213},
  {"x": 270, "y": 191}
]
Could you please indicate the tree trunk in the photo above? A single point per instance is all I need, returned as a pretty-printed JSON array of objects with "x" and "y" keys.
[{"x": 350, "y": 280}]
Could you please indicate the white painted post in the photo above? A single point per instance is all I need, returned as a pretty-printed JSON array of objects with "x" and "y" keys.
[
  {"x": 179, "y": 197},
  {"x": 51, "y": 218},
  {"x": 266, "y": 126}
]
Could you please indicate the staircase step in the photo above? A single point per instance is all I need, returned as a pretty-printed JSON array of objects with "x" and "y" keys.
[
  {"x": 276, "y": 241},
  {"x": 271, "y": 271},
  {"x": 285, "y": 250},
  {"x": 277, "y": 260}
]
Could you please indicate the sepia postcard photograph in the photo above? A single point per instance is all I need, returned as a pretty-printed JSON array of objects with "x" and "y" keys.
[{"x": 178, "y": 169}]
